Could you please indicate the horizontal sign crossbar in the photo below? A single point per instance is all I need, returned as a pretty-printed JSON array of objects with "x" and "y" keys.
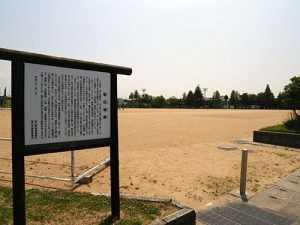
[{"x": 8, "y": 54}]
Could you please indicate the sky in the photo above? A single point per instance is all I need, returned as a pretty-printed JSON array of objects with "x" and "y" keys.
[{"x": 171, "y": 45}]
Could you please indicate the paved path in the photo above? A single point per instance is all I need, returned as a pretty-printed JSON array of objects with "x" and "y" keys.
[
  {"x": 283, "y": 197},
  {"x": 279, "y": 204}
]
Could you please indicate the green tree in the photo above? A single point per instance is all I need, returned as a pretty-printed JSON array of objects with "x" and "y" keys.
[
  {"x": 291, "y": 96},
  {"x": 198, "y": 97},
  {"x": 146, "y": 100},
  {"x": 190, "y": 99},
  {"x": 234, "y": 98},
  {"x": 245, "y": 100},
  {"x": 174, "y": 102},
  {"x": 184, "y": 99},
  {"x": 159, "y": 102},
  {"x": 131, "y": 96},
  {"x": 252, "y": 99},
  {"x": 269, "y": 99},
  {"x": 226, "y": 98},
  {"x": 260, "y": 99},
  {"x": 7, "y": 103},
  {"x": 137, "y": 97},
  {"x": 216, "y": 99},
  {"x": 280, "y": 101},
  {"x": 132, "y": 102},
  {"x": 209, "y": 103}
]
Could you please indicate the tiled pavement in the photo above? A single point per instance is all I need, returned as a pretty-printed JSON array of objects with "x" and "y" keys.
[{"x": 278, "y": 205}]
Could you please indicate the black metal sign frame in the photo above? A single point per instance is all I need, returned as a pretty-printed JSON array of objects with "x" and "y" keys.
[{"x": 20, "y": 150}]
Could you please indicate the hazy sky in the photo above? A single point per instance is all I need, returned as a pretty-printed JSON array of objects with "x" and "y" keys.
[{"x": 171, "y": 45}]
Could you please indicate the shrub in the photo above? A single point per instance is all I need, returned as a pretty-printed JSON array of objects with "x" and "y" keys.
[{"x": 293, "y": 123}]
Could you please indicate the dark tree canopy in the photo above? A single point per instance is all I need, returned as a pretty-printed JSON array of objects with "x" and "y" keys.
[
  {"x": 269, "y": 99},
  {"x": 280, "y": 101},
  {"x": 226, "y": 98},
  {"x": 245, "y": 100},
  {"x": 291, "y": 95},
  {"x": 190, "y": 99},
  {"x": 146, "y": 99},
  {"x": 159, "y": 102},
  {"x": 136, "y": 95},
  {"x": 198, "y": 97},
  {"x": 234, "y": 98},
  {"x": 252, "y": 98},
  {"x": 289, "y": 98},
  {"x": 260, "y": 98},
  {"x": 174, "y": 102},
  {"x": 216, "y": 99},
  {"x": 184, "y": 97}
]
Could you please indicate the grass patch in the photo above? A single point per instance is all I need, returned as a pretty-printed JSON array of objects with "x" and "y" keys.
[
  {"x": 280, "y": 128},
  {"x": 291, "y": 125},
  {"x": 62, "y": 207},
  {"x": 219, "y": 186}
]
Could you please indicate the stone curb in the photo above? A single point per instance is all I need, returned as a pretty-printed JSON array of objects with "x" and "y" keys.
[
  {"x": 162, "y": 200},
  {"x": 186, "y": 216},
  {"x": 179, "y": 205},
  {"x": 274, "y": 146},
  {"x": 266, "y": 145}
]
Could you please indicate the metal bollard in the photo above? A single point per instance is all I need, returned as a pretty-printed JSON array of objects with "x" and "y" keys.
[{"x": 243, "y": 172}]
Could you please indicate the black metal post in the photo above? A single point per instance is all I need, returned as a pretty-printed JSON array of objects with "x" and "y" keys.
[
  {"x": 18, "y": 170},
  {"x": 114, "y": 151}
]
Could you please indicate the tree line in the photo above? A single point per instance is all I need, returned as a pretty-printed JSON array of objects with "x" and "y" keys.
[{"x": 195, "y": 99}]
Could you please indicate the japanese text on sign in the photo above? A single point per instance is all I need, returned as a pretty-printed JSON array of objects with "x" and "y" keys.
[{"x": 64, "y": 104}]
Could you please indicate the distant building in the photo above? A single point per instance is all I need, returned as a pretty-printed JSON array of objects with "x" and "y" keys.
[
  {"x": 2, "y": 99},
  {"x": 124, "y": 103},
  {"x": 224, "y": 102}
]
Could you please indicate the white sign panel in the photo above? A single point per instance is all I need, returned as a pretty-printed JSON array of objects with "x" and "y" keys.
[{"x": 64, "y": 104}]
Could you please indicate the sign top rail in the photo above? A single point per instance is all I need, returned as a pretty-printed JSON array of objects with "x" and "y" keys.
[{"x": 9, "y": 54}]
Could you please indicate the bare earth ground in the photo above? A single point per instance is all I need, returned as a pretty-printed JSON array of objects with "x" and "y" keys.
[{"x": 172, "y": 153}]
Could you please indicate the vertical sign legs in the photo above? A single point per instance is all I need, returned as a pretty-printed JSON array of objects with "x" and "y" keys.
[
  {"x": 18, "y": 143},
  {"x": 18, "y": 189},
  {"x": 114, "y": 151}
]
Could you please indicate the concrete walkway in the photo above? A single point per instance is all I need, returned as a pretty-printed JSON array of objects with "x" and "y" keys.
[
  {"x": 283, "y": 197},
  {"x": 279, "y": 204}
]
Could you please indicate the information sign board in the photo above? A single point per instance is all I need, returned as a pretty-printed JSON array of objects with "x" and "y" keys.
[
  {"x": 65, "y": 104},
  {"x": 61, "y": 104}
]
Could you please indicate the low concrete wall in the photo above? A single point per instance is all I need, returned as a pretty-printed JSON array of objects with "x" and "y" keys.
[{"x": 277, "y": 138}]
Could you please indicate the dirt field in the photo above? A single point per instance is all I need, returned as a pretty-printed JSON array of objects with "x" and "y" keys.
[{"x": 173, "y": 153}]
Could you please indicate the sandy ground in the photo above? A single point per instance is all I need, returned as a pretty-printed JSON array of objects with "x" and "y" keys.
[{"x": 172, "y": 153}]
